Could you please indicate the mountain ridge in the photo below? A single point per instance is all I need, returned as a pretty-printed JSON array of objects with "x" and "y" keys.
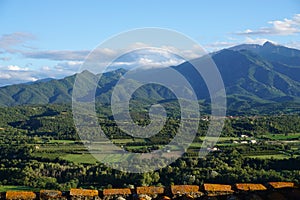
[{"x": 263, "y": 74}]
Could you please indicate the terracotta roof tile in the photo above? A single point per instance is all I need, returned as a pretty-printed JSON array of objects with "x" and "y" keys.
[
  {"x": 250, "y": 186},
  {"x": 150, "y": 190},
  {"x": 184, "y": 189},
  {"x": 217, "y": 188},
  {"x": 277, "y": 185},
  {"x": 124, "y": 191},
  {"x": 83, "y": 192},
  {"x": 20, "y": 195}
]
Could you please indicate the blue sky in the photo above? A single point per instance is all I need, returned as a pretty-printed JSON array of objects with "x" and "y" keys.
[{"x": 40, "y": 39}]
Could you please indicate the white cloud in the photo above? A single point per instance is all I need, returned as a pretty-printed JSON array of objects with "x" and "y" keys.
[
  {"x": 13, "y": 74},
  {"x": 70, "y": 61},
  {"x": 148, "y": 63},
  {"x": 142, "y": 56},
  {"x": 120, "y": 63},
  {"x": 188, "y": 54},
  {"x": 16, "y": 68},
  {"x": 74, "y": 63},
  {"x": 45, "y": 68},
  {"x": 147, "y": 58},
  {"x": 278, "y": 27}
]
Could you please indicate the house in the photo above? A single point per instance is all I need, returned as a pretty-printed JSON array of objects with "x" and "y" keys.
[
  {"x": 244, "y": 136},
  {"x": 253, "y": 141},
  {"x": 213, "y": 149}
]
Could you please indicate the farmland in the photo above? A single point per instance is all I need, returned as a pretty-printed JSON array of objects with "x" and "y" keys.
[
  {"x": 40, "y": 149},
  {"x": 72, "y": 151}
]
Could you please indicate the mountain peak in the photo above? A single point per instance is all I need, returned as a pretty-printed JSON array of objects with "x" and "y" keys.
[
  {"x": 86, "y": 72},
  {"x": 269, "y": 44}
]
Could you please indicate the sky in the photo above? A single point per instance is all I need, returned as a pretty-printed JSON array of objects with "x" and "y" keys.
[{"x": 51, "y": 38}]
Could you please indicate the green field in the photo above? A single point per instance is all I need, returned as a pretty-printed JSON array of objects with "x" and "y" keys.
[
  {"x": 219, "y": 139},
  {"x": 62, "y": 141},
  {"x": 123, "y": 141},
  {"x": 4, "y": 188},
  {"x": 274, "y": 156},
  {"x": 85, "y": 158},
  {"x": 290, "y": 136}
]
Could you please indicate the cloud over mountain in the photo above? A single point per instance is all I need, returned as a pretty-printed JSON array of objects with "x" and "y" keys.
[{"x": 278, "y": 27}]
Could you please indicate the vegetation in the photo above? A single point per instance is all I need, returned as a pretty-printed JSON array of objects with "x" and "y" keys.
[{"x": 40, "y": 149}]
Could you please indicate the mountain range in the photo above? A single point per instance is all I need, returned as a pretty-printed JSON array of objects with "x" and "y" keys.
[{"x": 255, "y": 76}]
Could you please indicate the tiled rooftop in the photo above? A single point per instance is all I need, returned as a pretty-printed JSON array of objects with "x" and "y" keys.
[
  {"x": 277, "y": 185},
  {"x": 123, "y": 191},
  {"x": 150, "y": 190},
  {"x": 250, "y": 186},
  {"x": 184, "y": 189},
  {"x": 20, "y": 195},
  {"x": 217, "y": 188},
  {"x": 84, "y": 192},
  {"x": 272, "y": 190}
]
